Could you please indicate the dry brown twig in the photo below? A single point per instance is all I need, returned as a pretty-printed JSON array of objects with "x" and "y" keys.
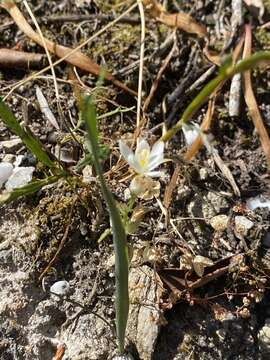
[
  {"x": 47, "y": 53},
  {"x": 13, "y": 59},
  {"x": 179, "y": 20},
  {"x": 251, "y": 100}
]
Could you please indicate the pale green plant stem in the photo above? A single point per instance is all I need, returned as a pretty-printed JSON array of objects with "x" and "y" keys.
[{"x": 226, "y": 72}]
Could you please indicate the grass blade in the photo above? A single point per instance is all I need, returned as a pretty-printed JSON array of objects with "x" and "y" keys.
[
  {"x": 30, "y": 188},
  {"x": 119, "y": 235},
  {"x": 29, "y": 140}
]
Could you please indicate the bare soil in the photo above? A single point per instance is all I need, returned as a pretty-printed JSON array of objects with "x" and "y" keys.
[{"x": 176, "y": 313}]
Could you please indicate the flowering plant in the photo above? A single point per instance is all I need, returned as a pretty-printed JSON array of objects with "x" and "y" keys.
[{"x": 144, "y": 160}]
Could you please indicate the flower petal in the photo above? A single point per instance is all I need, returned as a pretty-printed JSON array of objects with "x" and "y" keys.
[
  {"x": 154, "y": 164},
  {"x": 125, "y": 151},
  {"x": 129, "y": 156},
  {"x": 156, "y": 155},
  {"x": 141, "y": 145},
  {"x": 191, "y": 132},
  {"x": 157, "y": 150}
]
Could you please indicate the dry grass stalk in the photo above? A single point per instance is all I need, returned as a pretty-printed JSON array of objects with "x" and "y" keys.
[
  {"x": 94, "y": 36},
  {"x": 251, "y": 100},
  {"x": 158, "y": 77},
  {"x": 170, "y": 187},
  {"x": 13, "y": 59},
  {"x": 225, "y": 171},
  {"x": 179, "y": 20},
  {"x": 72, "y": 56},
  {"x": 47, "y": 53}
]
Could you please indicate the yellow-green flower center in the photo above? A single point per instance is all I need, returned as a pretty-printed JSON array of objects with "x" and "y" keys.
[{"x": 143, "y": 157}]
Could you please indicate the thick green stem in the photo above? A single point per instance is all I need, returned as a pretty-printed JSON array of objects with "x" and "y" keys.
[{"x": 226, "y": 72}]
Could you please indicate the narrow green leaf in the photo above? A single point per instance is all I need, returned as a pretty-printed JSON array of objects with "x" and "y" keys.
[
  {"x": 29, "y": 140},
  {"x": 119, "y": 234},
  {"x": 30, "y": 188}
]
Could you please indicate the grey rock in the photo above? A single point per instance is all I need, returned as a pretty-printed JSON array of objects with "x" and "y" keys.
[
  {"x": 20, "y": 177},
  {"x": 145, "y": 314},
  {"x": 243, "y": 225},
  {"x": 60, "y": 288},
  {"x": 12, "y": 144}
]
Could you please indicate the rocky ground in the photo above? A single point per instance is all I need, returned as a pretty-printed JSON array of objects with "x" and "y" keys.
[{"x": 199, "y": 276}]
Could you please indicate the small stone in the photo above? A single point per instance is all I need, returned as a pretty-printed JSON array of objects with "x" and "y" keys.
[
  {"x": 264, "y": 337},
  {"x": 242, "y": 225},
  {"x": 152, "y": 255},
  {"x": 20, "y": 177},
  {"x": 60, "y": 288},
  {"x": 258, "y": 202},
  {"x": 10, "y": 158},
  {"x": 87, "y": 174},
  {"x": 127, "y": 194},
  {"x": 219, "y": 222},
  {"x": 5, "y": 172},
  {"x": 203, "y": 173},
  {"x": 110, "y": 262},
  {"x": 123, "y": 357},
  {"x": 11, "y": 145}
]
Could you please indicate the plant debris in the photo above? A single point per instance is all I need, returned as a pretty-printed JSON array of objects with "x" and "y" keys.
[{"x": 194, "y": 204}]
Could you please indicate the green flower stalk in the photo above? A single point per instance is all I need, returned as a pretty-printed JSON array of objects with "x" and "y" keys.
[{"x": 119, "y": 234}]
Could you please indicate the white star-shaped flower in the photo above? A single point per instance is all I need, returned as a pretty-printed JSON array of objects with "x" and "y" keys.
[{"x": 144, "y": 160}]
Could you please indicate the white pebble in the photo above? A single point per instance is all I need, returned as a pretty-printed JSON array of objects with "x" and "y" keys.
[
  {"x": 5, "y": 172},
  {"x": 219, "y": 222},
  {"x": 258, "y": 202},
  {"x": 242, "y": 225},
  {"x": 19, "y": 177},
  {"x": 123, "y": 357},
  {"x": 60, "y": 287}
]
